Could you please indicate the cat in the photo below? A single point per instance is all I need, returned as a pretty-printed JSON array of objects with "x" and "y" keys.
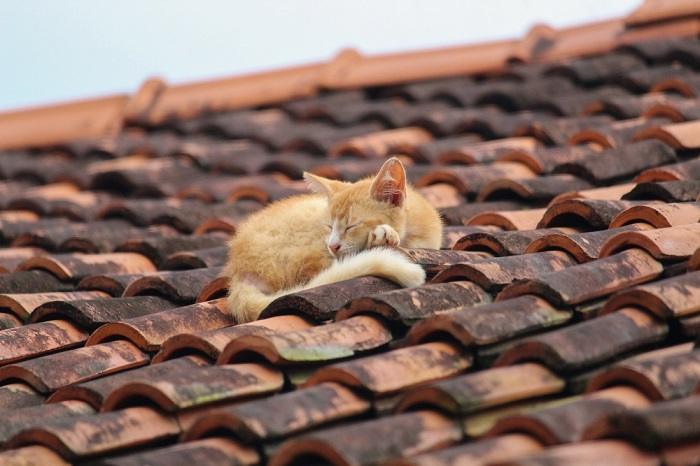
[{"x": 340, "y": 231}]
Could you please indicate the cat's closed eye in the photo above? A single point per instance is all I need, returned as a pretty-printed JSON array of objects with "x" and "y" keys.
[{"x": 350, "y": 227}]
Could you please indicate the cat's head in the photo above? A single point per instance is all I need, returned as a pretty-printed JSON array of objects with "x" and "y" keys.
[{"x": 355, "y": 209}]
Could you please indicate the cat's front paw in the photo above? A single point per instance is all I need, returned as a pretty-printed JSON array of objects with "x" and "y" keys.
[{"x": 383, "y": 235}]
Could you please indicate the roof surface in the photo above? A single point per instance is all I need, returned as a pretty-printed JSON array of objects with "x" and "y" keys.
[{"x": 558, "y": 326}]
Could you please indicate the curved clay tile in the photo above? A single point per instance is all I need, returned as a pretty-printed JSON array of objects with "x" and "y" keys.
[
  {"x": 78, "y": 266},
  {"x": 402, "y": 435},
  {"x": 158, "y": 248},
  {"x": 16, "y": 420},
  {"x": 214, "y": 289},
  {"x": 666, "y": 191},
  {"x": 545, "y": 160},
  {"x": 538, "y": 189},
  {"x": 483, "y": 451},
  {"x": 616, "y": 134},
  {"x": 611, "y": 452},
  {"x": 23, "y": 304},
  {"x": 281, "y": 416},
  {"x": 322, "y": 302},
  {"x": 35, "y": 454},
  {"x": 326, "y": 342},
  {"x": 657, "y": 10},
  {"x": 494, "y": 273},
  {"x": 19, "y": 395},
  {"x": 589, "y": 343},
  {"x": 459, "y": 214},
  {"x": 672, "y": 243},
  {"x": 111, "y": 284},
  {"x": 94, "y": 392},
  {"x": 29, "y": 341},
  {"x": 688, "y": 170},
  {"x": 484, "y": 389},
  {"x": 654, "y": 427},
  {"x": 383, "y": 143},
  {"x": 451, "y": 235},
  {"x": 175, "y": 391},
  {"x": 483, "y": 152},
  {"x": 592, "y": 214},
  {"x": 509, "y": 220},
  {"x": 694, "y": 262},
  {"x": 393, "y": 371},
  {"x": 676, "y": 111},
  {"x": 97, "y": 434},
  {"x": 682, "y": 136},
  {"x": 436, "y": 260},
  {"x": 470, "y": 179},
  {"x": 8, "y": 320},
  {"x": 659, "y": 215},
  {"x": 412, "y": 304},
  {"x": 214, "y": 451},
  {"x": 177, "y": 286},
  {"x": 584, "y": 282},
  {"x": 48, "y": 373},
  {"x": 442, "y": 195},
  {"x": 670, "y": 298},
  {"x": 567, "y": 423},
  {"x": 584, "y": 247},
  {"x": 211, "y": 343},
  {"x": 91, "y": 313},
  {"x": 490, "y": 323},
  {"x": 150, "y": 331},
  {"x": 218, "y": 224},
  {"x": 664, "y": 377}
]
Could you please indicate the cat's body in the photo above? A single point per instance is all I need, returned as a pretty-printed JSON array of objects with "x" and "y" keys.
[{"x": 335, "y": 234}]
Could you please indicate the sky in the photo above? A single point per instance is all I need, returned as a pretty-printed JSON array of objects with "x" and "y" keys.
[{"x": 57, "y": 50}]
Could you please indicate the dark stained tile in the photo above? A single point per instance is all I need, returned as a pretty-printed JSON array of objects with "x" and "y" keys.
[
  {"x": 545, "y": 160},
  {"x": 486, "y": 451},
  {"x": 94, "y": 392},
  {"x": 413, "y": 304},
  {"x": 584, "y": 247},
  {"x": 591, "y": 280},
  {"x": 660, "y": 377},
  {"x": 91, "y": 313},
  {"x": 673, "y": 297},
  {"x": 535, "y": 190},
  {"x": 434, "y": 261},
  {"x": 608, "y": 193},
  {"x": 158, "y": 248},
  {"x": 177, "y": 286},
  {"x": 196, "y": 259},
  {"x": 281, "y": 416},
  {"x": 688, "y": 170},
  {"x": 495, "y": 273},
  {"x": 661, "y": 424},
  {"x": 212, "y": 452},
  {"x": 8, "y": 320},
  {"x": 196, "y": 386},
  {"x": 33, "y": 281},
  {"x": 397, "y": 370},
  {"x": 382, "y": 143},
  {"x": 77, "y": 266},
  {"x": 490, "y": 323},
  {"x": 321, "y": 303},
  {"x": 666, "y": 191},
  {"x": 210, "y": 343},
  {"x": 567, "y": 422},
  {"x": 19, "y": 395},
  {"x": 470, "y": 179},
  {"x": 505, "y": 243},
  {"x": 10, "y": 258},
  {"x": 321, "y": 343},
  {"x": 33, "y": 340},
  {"x": 583, "y": 213},
  {"x": 589, "y": 343},
  {"x": 23, "y": 304},
  {"x": 16, "y": 420},
  {"x": 150, "y": 331},
  {"x": 48, "y": 373},
  {"x": 402, "y": 435},
  {"x": 596, "y": 70},
  {"x": 100, "y": 236},
  {"x": 487, "y": 388},
  {"x": 110, "y": 284},
  {"x": 460, "y": 214},
  {"x": 97, "y": 434}
]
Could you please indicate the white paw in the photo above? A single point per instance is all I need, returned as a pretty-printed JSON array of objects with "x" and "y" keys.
[{"x": 383, "y": 235}]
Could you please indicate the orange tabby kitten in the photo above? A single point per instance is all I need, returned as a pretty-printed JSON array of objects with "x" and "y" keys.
[{"x": 343, "y": 231}]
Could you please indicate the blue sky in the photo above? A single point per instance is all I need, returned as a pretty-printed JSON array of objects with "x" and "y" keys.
[{"x": 56, "y": 50}]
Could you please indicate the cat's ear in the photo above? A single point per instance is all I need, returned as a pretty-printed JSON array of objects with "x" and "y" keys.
[
  {"x": 390, "y": 183},
  {"x": 321, "y": 185}
]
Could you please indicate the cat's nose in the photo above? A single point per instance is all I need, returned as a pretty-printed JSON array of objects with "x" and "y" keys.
[{"x": 334, "y": 247}]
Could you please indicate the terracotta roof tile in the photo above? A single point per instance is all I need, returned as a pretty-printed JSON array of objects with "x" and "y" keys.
[{"x": 561, "y": 309}]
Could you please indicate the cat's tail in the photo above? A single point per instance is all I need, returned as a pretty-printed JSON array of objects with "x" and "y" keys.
[{"x": 247, "y": 301}]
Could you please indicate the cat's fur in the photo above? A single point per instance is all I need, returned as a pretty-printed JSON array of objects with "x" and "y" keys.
[{"x": 343, "y": 231}]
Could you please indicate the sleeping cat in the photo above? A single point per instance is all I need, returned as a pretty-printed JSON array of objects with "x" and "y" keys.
[{"x": 342, "y": 231}]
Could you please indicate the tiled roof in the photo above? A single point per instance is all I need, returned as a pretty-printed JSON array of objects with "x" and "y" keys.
[{"x": 558, "y": 326}]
